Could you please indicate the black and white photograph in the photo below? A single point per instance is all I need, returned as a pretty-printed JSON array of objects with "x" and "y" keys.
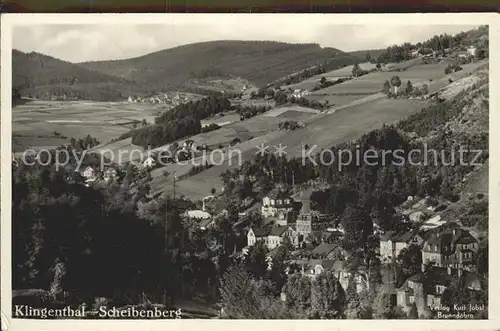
[{"x": 247, "y": 167}]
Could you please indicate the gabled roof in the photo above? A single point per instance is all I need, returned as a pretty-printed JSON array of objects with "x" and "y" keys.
[
  {"x": 388, "y": 236},
  {"x": 278, "y": 230},
  {"x": 339, "y": 265},
  {"x": 449, "y": 238},
  {"x": 405, "y": 237},
  {"x": 260, "y": 232},
  {"x": 88, "y": 168},
  {"x": 324, "y": 248}
]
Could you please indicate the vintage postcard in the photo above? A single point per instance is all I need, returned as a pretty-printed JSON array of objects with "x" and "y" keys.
[{"x": 170, "y": 169}]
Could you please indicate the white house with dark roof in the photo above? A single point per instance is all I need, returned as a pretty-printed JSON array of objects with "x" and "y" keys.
[
  {"x": 277, "y": 203},
  {"x": 89, "y": 172},
  {"x": 272, "y": 236}
]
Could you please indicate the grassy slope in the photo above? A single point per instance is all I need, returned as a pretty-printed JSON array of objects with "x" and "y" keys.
[{"x": 260, "y": 62}]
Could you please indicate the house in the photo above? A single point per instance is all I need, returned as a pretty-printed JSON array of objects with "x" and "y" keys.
[
  {"x": 272, "y": 236},
  {"x": 415, "y": 53},
  {"x": 316, "y": 267},
  {"x": 387, "y": 246},
  {"x": 303, "y": 225},
  {"x": 425, "y": 288},
  {"x": 298, "y": 93},
  {"x": 198, "y": 214},
  {"x": 433, "y": 223},
  {"x": 345, "y": 276},
  {"x": 276, "y": 203},
  {"x": 149, "y": 162},
  {"x": 451, "y": 247},
  {"x": 472, "y": 50},
  {"x": 88, "y": 172},
  {"x": 417, "y": 217},
  {"x": 406, "y": 239},
  {"x": 392, "y": 243},
  {"x": 278, "y": 233},
  {"x": 329, "y": 251}
]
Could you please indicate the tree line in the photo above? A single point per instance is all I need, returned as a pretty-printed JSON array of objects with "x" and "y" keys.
[{"x": 182, "y": 121}]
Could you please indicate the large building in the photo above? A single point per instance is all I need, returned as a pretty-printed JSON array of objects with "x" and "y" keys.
[
  {"x": 278, "y": 204},
  {"x": 272, "y": 236},
  {"x": 453, "y": 247}
]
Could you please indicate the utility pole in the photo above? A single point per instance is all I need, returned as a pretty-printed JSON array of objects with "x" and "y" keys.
[{"x": 174, "y": 183}]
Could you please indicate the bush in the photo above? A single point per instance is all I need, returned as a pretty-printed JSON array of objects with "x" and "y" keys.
[{"x": 452, "y": 68}]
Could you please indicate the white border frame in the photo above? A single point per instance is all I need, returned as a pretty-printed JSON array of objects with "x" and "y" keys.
[{"x": 8, "y": 21}]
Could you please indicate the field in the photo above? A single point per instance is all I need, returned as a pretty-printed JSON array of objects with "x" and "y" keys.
[
  {"x": 120, "y": 151},
  {"x": 235, "y": 85},
  {"x": 291, "y": 112},
  {"x": 44, "y": 123},
  {"x": 323, "y": 130},
  {"x": 430, "y": 74},
  {"x": 330, "y": 75}
]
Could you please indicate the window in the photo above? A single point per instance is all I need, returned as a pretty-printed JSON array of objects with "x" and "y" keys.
[{"x": 412, "y": 299}]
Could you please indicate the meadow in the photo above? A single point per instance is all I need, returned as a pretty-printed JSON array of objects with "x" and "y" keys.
[
  {"x": 47, "y": 123},
  {"x": 357, "y": 88},
  {"x": 330, "y": 75}
]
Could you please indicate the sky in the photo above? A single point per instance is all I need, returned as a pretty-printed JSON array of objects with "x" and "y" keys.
[{"x": 97, "y": 42}]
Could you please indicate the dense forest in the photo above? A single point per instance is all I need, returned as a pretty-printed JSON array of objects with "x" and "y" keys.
[
  {"x": 179, "y": 122},
  {"x": 40, "y": 76},
  {"x": 259, "y": 62}
]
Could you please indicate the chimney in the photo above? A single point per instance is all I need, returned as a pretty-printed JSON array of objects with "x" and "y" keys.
[
  {"x": 449, "y": 270},
  {"x": 422, "y": 267}
]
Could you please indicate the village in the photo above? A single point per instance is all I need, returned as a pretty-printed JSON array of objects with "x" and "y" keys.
[{"x": 229, "y": 190}]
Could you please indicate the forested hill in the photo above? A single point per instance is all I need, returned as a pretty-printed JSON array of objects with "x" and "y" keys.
[
  {"x": 42, "y": 76},
  {"x": 260, "y": 62}
]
